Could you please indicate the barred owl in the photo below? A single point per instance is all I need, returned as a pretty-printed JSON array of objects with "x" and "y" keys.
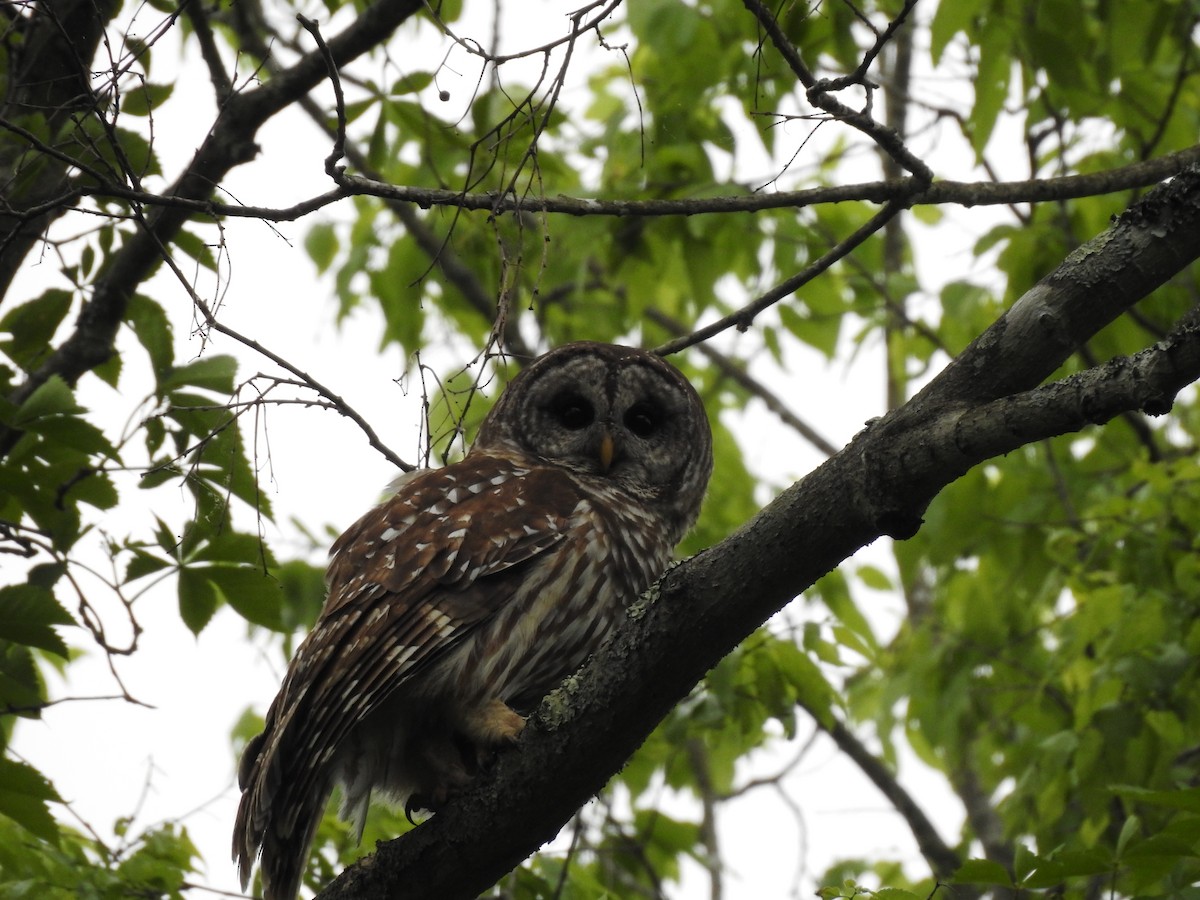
[{"x": 458, "y": 603}]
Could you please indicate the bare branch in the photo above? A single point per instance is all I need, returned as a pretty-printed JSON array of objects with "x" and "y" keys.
[
  {"x": 698, "y": 760},
  {"x": 221, "y": 82},
  {"x": 744, "y": 317},
  {"x": 942, "y": 859},
  {"x": 339, "y": 140},
  {"x": 820, "y": 91},
  {"x": 940, "y": 193},
  {"x": 337, "y": 402},
  {"x": 579, "y": 26},
  {"x": 737, "y": 373}
]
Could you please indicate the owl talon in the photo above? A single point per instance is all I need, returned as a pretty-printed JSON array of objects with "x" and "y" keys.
[{"x": 415, "y": 804}]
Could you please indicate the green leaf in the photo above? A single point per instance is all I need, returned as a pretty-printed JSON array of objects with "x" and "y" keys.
[
  {"x": 213, "y": 373},
  {"x": 197, "y": 248},
  {"x": 21, "y": 685},
  {"x": 835, "y": 592},
  {"x": 399, "y": 298},
  {"x": 24, "y": 797},
  {"x": 234, "y": 547},
  {"x": 810, "y": 686},
  {"x": 94, "y": 488},
  {"x": 161, "y": 862},
  {"x": 1024, "y": 863},
  {"x": 32, "y": 325},
  {"x": 143, "y": 564},
  {"x": 144, "y": 98},
  {"x": 198, "y": 599},
  {"x": 256, "y": 595},
  {"x": 991, "y": 90},
  {"x": 1183, "y": 798},
  {"x": 321, "y": 242},
  {"x": 982, "y": 871},
  {"x": 87, "y": 259},
  {"x": 950, "y": 19},
  {"x": 27, "y": 616},
  {"x": 1129, "y": 829},
  {"x": 816, "y": 328},
  {"x": 52, "y": 398},
  {"x": 118, "y": 152},
  {"x": 303, "y": 586},
  {"x": 411, "y": 83},
  {"x": 874, "y": 578},
  {"x": 110, "y": 370},
  {"x": 928, "y": 214},
  {"x": 1068, "y": 864},
  {"x": 149, "y": 322},
  {"x": 75, "y": 433}
]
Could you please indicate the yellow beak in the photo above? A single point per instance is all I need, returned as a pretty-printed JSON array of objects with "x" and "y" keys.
[{"x": 607, "y": 451}]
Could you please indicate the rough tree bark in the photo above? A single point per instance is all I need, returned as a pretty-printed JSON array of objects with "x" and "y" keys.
[
  {"x": 47, "y": 86},
  {"x": 987, "y": 402}
]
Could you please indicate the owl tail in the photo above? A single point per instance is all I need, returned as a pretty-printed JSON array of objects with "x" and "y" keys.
[
  {"x": 276, "y": 821},
  {"x": 353, "y": 809}
]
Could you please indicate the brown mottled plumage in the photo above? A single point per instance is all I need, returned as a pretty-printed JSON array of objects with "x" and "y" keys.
[{"x": 459, "y": 602}]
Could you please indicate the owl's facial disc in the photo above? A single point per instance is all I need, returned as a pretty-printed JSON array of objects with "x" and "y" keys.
[
  {"x": 621, "y": 419},
  {"x": 613, "y": 413}
]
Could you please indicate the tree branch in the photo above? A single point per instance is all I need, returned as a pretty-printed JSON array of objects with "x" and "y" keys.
[
  {"x": 736, "y": 372},
  {"x": 879, "y": 484},
  {"x": 744, "y": 317},
  {"x": 698, "y": 760},
  {"x": 820, "y": 91},
  {"x": 940, "y": 193},
  {"x": 942, "y": 859}
]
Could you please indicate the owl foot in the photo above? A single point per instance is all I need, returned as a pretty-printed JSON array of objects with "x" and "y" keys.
[{"x": 493, "y": 724}]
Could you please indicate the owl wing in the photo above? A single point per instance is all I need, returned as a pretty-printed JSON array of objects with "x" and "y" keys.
[{"x": 407, "y": 582}]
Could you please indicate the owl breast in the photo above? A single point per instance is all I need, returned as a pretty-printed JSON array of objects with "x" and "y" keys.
[
  {"x": 559, "y": 605},
  {"x": 567, "y": 605}
]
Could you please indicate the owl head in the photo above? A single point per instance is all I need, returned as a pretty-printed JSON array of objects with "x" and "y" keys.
[{"x": 615, "y": 415}]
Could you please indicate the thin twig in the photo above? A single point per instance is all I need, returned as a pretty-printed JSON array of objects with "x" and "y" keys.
[
  {"x": 339, "y": 142},
  {"x": 735, "y": 372},
  {"x": 472, "y": 47},
  {"x": 344, "y": 408},
  {"x": 709, "y": 800},
  {"x": 744, "y": 317},
  {"x": 198, "y": 15},
  {"x": 820, "y": 91},
  {"x": 940, "y": 193},
  {"x": 942, "y": 859},
  {"x": 10, "y": 709}
]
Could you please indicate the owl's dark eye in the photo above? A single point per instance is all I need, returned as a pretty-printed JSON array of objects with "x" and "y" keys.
[
  {"x": 643, "y": 418},
  {"x": 574, "y": 412}
]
